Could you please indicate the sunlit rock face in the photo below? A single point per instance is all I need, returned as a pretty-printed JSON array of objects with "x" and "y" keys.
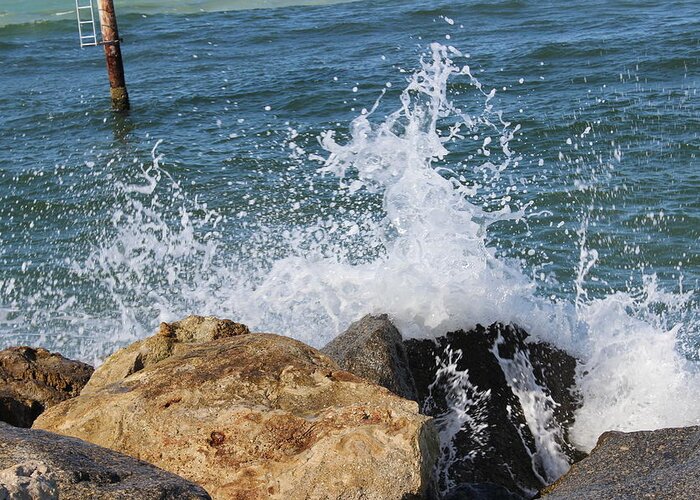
[{"x": 256, "y": 415}]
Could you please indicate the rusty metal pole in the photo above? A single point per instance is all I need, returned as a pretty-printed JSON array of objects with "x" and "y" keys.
[{"x": 113, "y": 54}]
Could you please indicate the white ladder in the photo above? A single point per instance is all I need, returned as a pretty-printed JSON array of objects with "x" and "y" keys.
[{"x": 86, "y": 23}]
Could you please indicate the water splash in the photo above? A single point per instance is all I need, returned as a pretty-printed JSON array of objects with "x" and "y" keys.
[
  {"x": 633, "y": 376},
  {"x": 158, "y": 253},
  {"x": 466, "y": 413},
  {"x": 586, "y": 261},
  {"x": 549, "y": 462},
  {"x": 406, "y": 233}
]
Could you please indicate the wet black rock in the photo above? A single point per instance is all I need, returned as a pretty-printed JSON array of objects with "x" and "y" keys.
[
  {"x": 481, "y": 491},
  {"x": 40, "y": 464},
  {"x": 650, "y": 464},
  {"x": 492, "y": 369},
  {"x": 373, "y": 348},
  {"x": 478, "y": 385}
]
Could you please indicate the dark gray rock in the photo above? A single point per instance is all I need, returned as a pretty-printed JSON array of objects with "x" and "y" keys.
[
  {"x": 40, "y": 464},
  {"x": 493, "y": 444},
  {"x": 32, "y": 380},
  {"x": 470, "y": 381},
  {"x": 481, "y": 491},
  {"x": 662, "y": 464},
  {"x": 556, "y": 370},
  {"x": 373, "y": 348}
]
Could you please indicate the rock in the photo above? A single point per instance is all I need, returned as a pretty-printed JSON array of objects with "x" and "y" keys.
[
  {"x": 556, "y": 370},
  {"x": 170, "y": 339},
  {"x": 41, "y": 465},
  {"x": 29, "y": 479},
  {"x": 648, "y": 464},
  {"x": 502, "y": 407},
  {"x": 373, "y": 348},
  {"x": 257, "y": 416},
  {"x": 481, "y": 491},
  {"x": 32, "y": 380}
]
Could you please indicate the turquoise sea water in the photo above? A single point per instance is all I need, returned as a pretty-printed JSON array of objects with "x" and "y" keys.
[{"x": 207, "y": 197}]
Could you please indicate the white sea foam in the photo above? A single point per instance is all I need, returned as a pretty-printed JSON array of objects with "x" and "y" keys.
[
  {"x": 431, "y": 267},
  {"x": 466, "y": 406},
  {"x": 632, "y": 376},
  {"x": 548, "y": 459},
  {"x": 424, "y": 258}
]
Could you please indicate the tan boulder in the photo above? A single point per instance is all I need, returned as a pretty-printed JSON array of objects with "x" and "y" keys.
[
  {"x": 255, "y": 416},
  {"x": 170, "y": 339}
]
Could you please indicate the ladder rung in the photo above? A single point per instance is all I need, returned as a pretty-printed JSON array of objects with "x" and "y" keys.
[{"x": 87, "y": 19}]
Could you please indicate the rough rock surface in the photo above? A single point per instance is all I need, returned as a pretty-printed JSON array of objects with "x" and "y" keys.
[
  {"x": 42, "y": 465},
  {"x": 662, "y": 464},
  {"x": 491, "y": 367},
  {"x": 32, "y": 380},
  {"x": 373, "y": 348},
  {"x": 170, "y": 339},
  {"x": 257, "y": 416},
  {"x": 480, "y": 491}
]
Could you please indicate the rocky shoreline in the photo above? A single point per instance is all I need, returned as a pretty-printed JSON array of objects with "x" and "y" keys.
[{"x": 206, "y": 408}]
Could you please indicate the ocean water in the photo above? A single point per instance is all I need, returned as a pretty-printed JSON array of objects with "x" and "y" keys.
[{"x": 294, "y": 168}]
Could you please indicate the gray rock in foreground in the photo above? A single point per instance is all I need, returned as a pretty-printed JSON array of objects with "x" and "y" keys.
[
  {"x": 662, "y": 464},
  {"x": 39, "y": 464},
  {"x": 372, "y": 348}
]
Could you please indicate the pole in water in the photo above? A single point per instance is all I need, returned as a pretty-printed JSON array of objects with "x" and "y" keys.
[{"x": 113, "y": 54}]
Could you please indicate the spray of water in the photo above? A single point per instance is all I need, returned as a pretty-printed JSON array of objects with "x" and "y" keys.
[
  {"x": 466, "y": 414},
  {"x": 548, "y": 460},
  {"x": 159, "y": 252},
  {"x": 422, "y": 255}
]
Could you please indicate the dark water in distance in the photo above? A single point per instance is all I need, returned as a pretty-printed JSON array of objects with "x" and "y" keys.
[{"x": 605, "y": 93}]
